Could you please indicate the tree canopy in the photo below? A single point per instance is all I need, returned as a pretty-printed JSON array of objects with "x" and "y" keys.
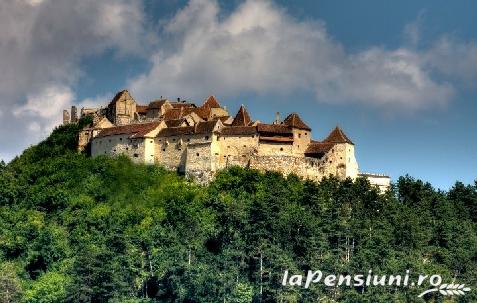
[{"x": 81, "y": 229}]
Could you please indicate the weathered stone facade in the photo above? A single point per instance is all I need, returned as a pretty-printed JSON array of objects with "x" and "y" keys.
[{"x": 199, "y": 141}]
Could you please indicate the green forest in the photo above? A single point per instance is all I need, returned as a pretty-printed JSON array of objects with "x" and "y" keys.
[{"x": 80, "y": 229}]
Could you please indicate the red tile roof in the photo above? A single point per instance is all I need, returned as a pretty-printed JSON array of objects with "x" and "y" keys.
[
  {"x": 242, "y": 118},
  {"x": 173, "y": 114},
  {"x": 239, "y": 130},
  {"x": 211, "y": 102},
  {"x": 337, "y": 136},
  {"x": 134, "y": 130},
  {"x": 199, "y": 128},
  {"x": 295, "y": 121}
]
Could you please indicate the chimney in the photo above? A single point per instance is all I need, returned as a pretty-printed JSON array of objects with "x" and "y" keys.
[
  {"x": 74, "y": 114},
  {"x": 277, "y": 118},
  {"x": 178, "y": 99}
]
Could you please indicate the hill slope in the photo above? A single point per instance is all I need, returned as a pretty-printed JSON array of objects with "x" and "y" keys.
[{"x": 78, "y": 229}]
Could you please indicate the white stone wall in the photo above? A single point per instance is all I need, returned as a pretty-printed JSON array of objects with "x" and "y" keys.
[{"x": 120, "y": 145}]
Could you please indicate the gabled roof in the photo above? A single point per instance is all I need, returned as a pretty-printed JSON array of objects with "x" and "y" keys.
[
  {"x": 337, "y": 136},
  {"x": 133, "y": 130},
  {"x": 295, "y": 121},
  {"x": 211, "y": 102},
  {"x": 242, "y": 118},
  {"x": 118, "y": 96}
]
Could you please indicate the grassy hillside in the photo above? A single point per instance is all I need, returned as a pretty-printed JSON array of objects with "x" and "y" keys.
[{"x": 78, "y": 229}]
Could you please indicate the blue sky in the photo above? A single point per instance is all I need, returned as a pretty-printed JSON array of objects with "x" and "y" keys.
[{"x": 399, "y": 77}]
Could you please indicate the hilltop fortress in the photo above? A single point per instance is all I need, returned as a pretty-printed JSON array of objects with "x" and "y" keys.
[{"x": 200, "y": 140}]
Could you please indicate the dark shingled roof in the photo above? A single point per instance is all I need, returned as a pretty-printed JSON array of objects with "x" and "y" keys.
[
  {"x": 202, "y": 112},
  {"x": 174, "y": 123},
  {"x": 239, "y": 130},
  {"x": 242, "y": 118},
  {"x": 276, "y": 129},
  {"x": 205, "y": 127},
  {"x": 295, "y": 121},
  {"x": 134, "y": 130},
  {"x": 157, "y": 104},
  {"x": 318, "y": 148},
  {"x": 337, "y": 136}
]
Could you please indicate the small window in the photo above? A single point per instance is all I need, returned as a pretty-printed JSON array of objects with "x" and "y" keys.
[
  {"x": 174, "y": 140},
  {"x": 197, "y": 154},
  {"x": 120, "y": 139},
  {"x": 206, "y": 137},
  {"x": 299, "y": 135},
  {"x": 179, "y": 148},
  {"x": 188, "y": 139},
  {"x": 216, "y": 154},
  {"x": 163, "y": 149},
  {"x": 243, "y": 156},
  {"x": 151, "y": 141},
  {"x": 127, "y": 148},
  {"x": 341, "y": 158},
  {"x": 228, "y": 146},
  {"x": 136, "y": 155},
  {"x": 306, "y": 134},
  {"x": 331, "y": 161},
  {"x": 104, "y": 152},
  {"x": 109, "y": 140},
  {"x": 281, "y": 148},
  {"x": 245, "y": 146}
]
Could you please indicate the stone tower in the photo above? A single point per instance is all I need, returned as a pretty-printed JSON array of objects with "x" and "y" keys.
[{"x": 66, "y": 117}]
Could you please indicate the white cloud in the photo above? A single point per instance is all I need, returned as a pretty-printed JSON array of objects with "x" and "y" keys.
[
  {"x": 41, "y": 45},
  {"x": 260, "y": 48},
  {"x": 42, "y": 111}
]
